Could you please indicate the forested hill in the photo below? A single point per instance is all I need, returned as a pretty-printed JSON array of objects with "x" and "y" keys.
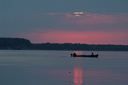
[
  {"x": 22, "y": 44},
  {"x": 14, "y": 43}
]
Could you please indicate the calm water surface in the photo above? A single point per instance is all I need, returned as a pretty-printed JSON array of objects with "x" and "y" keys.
[{"x": 26, "y": 67}]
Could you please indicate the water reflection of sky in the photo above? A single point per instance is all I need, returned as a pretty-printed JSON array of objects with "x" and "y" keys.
[
  {"x": 25, "y": 69},
  {"x": 99, "y": 77},
  {"x": 78, "y": 76}
]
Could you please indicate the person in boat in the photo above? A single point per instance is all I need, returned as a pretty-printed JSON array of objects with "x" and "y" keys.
[
  {"x": 71, "y": 55},
  {"x": 92, "y": 53},
  {"x": 74, "y": 54}
]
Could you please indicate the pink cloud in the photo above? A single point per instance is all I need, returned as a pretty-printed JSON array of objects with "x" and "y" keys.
[
  {"x": 72, "y": 22},
  {"x": 58, "y": 36},
  {"x": 90, "y": 18}
]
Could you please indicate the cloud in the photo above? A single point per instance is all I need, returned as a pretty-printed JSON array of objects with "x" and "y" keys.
[
  {"x": 89, "y": 37},
  {"x": 67, "y": 27},
  {"x": 92, "y": 16},
  {"x": 90, "y": 21},
  {"x": 87, "y": 28},
  {"x": 89, "y": 18}
]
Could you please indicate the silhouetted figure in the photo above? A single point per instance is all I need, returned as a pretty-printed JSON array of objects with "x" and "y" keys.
[
  {"x": 74, "y": 55},
  {"x": 71, "y": 55},
  {"x": 92, "y": 53}
]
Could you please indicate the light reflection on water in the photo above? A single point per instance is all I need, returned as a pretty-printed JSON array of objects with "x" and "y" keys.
[
  {"x": 50, "y": 68},
  {"x": 99, "y": 77},
  {"x": 78, "y": 52},
  {"x": 78, "y": 76}
]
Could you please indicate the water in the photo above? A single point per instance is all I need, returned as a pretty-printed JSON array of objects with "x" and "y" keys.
[{"x": 31, "y": 67}]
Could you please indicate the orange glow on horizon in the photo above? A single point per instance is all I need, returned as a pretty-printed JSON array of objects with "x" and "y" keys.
[{"x": 78, "y": 76}]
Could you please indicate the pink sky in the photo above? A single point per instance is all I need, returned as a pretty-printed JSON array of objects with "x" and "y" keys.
[
  {"x": 87, "y": 28},
  {"x": 60, "y": 21},
  {"x": 56, "y": 36}
]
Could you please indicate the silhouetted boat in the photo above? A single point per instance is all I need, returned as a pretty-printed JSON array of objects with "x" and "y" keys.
[{"x": 96, "y": 56}]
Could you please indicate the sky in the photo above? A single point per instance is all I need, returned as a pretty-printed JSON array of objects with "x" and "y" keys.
[{"x": 65, "y": 21}]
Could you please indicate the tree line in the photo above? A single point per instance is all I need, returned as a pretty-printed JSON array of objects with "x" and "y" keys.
[
  {"x": 22, "y": 44},
  {"x": 78, "y": 46},
  {"x": 14, "y": 43}
]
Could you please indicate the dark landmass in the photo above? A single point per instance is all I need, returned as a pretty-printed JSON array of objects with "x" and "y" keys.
[
  {"x": 24, "y": 44},
  {"x": 15, "y": 43}
]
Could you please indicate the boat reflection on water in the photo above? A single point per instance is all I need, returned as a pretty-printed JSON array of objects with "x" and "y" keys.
[
  {"x": 78, "y": 52},
  {"x": 78, "y": 76}
]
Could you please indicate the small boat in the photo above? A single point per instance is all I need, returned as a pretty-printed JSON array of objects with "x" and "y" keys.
[{"x": 96, "y": 55}]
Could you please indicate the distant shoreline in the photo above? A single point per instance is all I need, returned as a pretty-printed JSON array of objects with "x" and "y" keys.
[
  {"x": 62, "y": 50},
  {"x": 24, "y": 44}
]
